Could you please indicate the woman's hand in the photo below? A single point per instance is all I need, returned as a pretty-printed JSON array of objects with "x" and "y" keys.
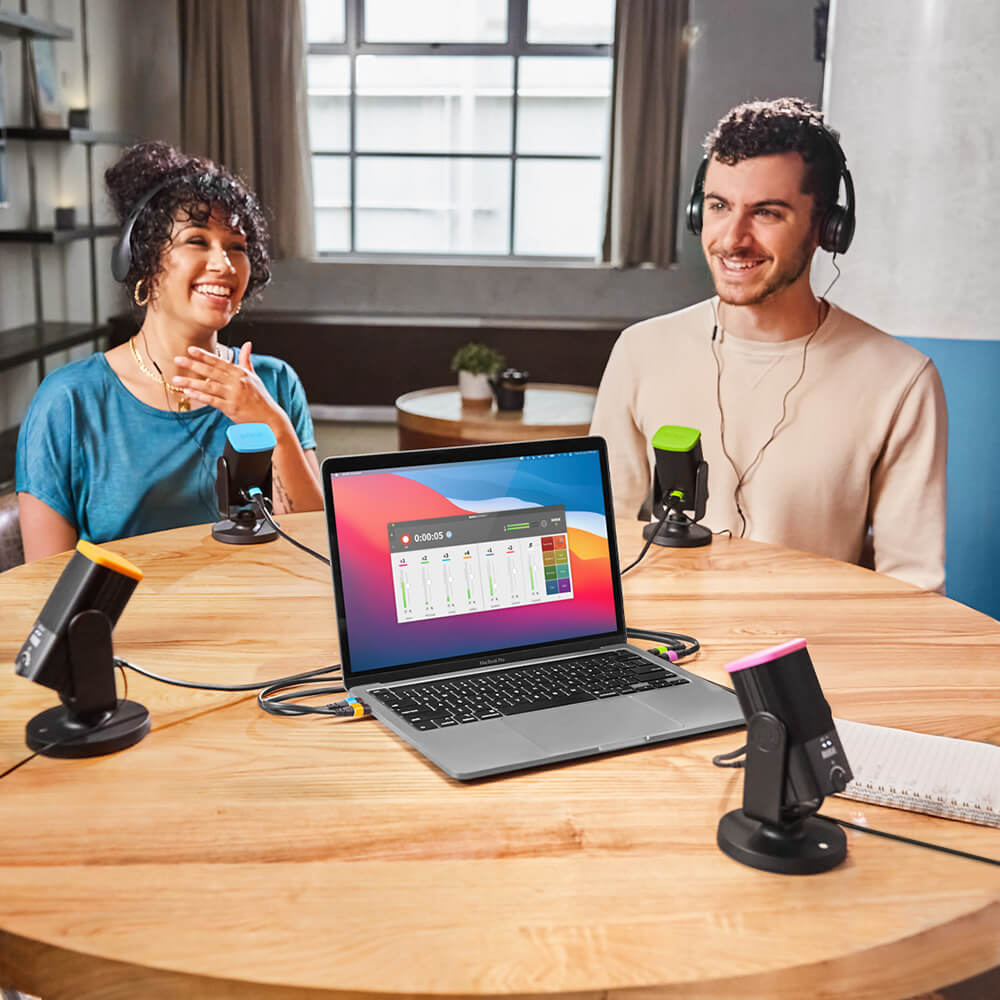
[{"x": 235, "y": 389}]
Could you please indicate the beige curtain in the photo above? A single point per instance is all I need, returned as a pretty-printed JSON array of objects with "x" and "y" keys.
[
  {"x": 646, "y": 117},
  {"x": 243, "y": 104}
]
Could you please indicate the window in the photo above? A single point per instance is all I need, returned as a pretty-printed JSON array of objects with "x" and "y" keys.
[{"x": 472, "y": 127}]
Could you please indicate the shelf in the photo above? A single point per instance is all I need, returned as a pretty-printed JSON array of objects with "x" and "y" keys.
[
  {"x": 55, "y": 235},
  {"x": 22, "y": 25},
  {"x": 22, "y": 344},
  {"x": 82, "y": 135}
]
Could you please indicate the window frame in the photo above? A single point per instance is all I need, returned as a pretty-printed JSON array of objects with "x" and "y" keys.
[{"x": 516, "y": 46}]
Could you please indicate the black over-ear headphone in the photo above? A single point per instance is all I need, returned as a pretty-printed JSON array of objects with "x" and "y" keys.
[
  {"x": 836, "y": 228},
  {"x": 121, "y": 252}
]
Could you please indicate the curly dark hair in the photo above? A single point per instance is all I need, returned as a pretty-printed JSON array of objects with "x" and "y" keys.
[
  {"x": 195, "y": 185},
  {"x": 785, "y": 125}
]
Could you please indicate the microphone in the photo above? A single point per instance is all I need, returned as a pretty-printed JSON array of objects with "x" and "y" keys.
[
  {"x": 680, "y": 483},
  {"x": 69, "y": 650},
  {"x": 243, "y": 472},
  {"x": 794, "y": 759}
]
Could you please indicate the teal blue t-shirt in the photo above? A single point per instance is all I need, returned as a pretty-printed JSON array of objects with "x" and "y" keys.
[{"x": 115, "y": 467}]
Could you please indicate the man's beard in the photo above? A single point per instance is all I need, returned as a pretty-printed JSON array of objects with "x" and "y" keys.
[{"x": 777, "y": 282}]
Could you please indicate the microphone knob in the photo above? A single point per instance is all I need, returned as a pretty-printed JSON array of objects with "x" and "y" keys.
[{"x": 838, "y": 778}]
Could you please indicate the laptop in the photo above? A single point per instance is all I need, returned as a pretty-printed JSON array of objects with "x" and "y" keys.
[{"x": 480, "y": 612}]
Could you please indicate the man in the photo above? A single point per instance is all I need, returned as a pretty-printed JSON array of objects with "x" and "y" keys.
[{"x": 821, "y": 432}]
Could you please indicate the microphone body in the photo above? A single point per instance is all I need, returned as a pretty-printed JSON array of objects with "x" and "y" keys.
[
  {"x": 680, "y": 483},
  {"x": 69, "y": 649},
  {"x": 93, "y": 580},
  {"x": 783, "y": 681},
  {"x": 245, "y": 464}
]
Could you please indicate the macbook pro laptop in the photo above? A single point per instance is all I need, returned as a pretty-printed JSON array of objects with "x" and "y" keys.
[{"x": 480, "y": 609}]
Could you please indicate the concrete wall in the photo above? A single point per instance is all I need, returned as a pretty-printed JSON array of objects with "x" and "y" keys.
[{"x": 913, "y": 89}]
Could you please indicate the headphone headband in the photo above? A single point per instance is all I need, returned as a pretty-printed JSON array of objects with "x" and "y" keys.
[
  {"x": 121, "y": 252},
  {"x": 836, "y": 228}
]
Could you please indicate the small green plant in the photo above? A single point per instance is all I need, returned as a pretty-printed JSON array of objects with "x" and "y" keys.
[{"x": 478, "y": 359}]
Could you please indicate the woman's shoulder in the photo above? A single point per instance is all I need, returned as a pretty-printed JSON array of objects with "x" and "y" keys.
[
  {"x": 278, "y": 375},
  {"x": 78, "y": 379},
  {"x": 269, "y": 363}
]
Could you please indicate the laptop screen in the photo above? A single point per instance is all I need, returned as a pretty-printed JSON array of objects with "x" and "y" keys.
[{"x": 468, "y": 552}]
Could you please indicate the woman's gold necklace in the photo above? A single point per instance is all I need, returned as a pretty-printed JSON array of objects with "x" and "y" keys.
[{"x": 183, "y": 404}]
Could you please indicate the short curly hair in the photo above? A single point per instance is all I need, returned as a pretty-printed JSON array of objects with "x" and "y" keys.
[
  {"x": 194, "y": 184},
  {"x": 785, "y": 125}
]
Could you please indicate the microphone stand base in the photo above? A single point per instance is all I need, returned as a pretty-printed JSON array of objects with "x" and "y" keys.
[
  {"x": 677, "y": 534},
  {"x": 237, "y": 533},
  {"x": 806, "y": 847},
  {"x": 56, "y": 732}
]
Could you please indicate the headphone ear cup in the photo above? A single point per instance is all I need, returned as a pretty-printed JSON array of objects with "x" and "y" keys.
[
  {"x": 836, "y": 230},
  {"x": 694, "y": 211}
]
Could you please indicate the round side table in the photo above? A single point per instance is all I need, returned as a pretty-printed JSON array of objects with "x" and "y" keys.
[{"x": 436, "y": 418}]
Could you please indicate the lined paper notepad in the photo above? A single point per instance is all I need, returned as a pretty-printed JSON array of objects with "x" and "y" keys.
[{"x": 959, "y": 779}]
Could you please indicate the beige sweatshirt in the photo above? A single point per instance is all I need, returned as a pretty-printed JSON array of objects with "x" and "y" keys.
[{"x": 864, "y": 444}]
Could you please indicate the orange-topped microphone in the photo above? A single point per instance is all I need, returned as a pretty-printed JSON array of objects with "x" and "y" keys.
[{"x": 69, "y": 650}]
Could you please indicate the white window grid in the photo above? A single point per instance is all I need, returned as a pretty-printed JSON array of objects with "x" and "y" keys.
[{"x": 516, "y": 45}]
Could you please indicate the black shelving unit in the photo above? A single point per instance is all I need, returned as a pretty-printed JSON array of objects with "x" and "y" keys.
[
  {"x": 64, "y": 135},
  {"x": 22, "y": 344},
  {"x": 33, "y": 342},
  {"x": 55, "y": 235},
  {"x": 15, "y": 25}
]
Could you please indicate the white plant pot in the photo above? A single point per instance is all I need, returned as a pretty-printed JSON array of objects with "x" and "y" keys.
[{"x": 474, "y": 389}]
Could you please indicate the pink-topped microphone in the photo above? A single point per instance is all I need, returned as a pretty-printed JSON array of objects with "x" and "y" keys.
[{"x": 794, "y": 759}]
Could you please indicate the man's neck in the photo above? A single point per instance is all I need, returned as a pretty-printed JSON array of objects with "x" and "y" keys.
[{"x": 795, "y": 312}]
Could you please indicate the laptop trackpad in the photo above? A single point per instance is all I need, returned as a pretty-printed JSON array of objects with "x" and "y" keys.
[{"x": 593, "y": 725}]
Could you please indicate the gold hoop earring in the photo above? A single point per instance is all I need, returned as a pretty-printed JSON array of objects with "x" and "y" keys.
[{"x": 140, "y": 301}]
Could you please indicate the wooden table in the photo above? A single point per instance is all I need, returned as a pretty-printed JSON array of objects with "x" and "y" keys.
[
  {"x": 436, "y": 418},
  {"x": 233, "y": 854}
]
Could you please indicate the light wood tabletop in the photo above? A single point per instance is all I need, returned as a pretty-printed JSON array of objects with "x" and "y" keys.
[
  {"x": 436, "y": 418},
  {"x": 234, "y": 854}
]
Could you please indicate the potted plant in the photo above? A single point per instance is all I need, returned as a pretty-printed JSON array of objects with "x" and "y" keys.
[{"x": 475, "y": 363}]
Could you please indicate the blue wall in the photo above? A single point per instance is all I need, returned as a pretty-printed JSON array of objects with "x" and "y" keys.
[{"x": 970, "y": 371}]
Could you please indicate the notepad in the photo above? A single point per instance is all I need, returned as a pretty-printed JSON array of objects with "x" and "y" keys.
[{"x": 938, "y": 775}]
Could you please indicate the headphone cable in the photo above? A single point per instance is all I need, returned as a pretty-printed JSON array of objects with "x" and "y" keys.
[{"x": 741, "y": 479}]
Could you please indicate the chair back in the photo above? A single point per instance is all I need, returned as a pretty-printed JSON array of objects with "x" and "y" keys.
[{"x": 11, "y": 547}]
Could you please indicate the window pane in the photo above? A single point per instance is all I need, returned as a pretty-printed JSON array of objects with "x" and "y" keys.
[
  {"x": 564, "y": 105},
  {"x": 581, "y": 22},
  {"x": 329, "y": 83},
  {"x": 434, "y": 104},
  {"x": 436, "y": 21},
  {"x": 433, "y": 205},
  {"x": 332, "y": 202},
  {"x": 325, "y": 21},
  {"x": 559, "y": 207}
]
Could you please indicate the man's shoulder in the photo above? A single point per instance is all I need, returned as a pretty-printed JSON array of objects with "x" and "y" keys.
[
  {"x": 854, "y": 334},
  {"x": 693, "y": 319}
]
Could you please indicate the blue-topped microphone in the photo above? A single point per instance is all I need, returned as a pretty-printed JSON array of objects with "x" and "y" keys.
[{"x": 244, "y": 472}]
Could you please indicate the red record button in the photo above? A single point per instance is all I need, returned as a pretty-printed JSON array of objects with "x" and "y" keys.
[{"x": 404, "y": 539}]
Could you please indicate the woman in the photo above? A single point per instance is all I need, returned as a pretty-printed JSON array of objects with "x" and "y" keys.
[{"x": 126, "y": 442}]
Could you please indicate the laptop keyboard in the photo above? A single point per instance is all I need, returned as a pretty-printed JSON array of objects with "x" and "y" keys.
[{"x": 471, "y": 698}]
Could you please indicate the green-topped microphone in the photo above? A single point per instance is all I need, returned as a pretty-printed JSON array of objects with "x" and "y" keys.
[{"x": 680, "y": 483}]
